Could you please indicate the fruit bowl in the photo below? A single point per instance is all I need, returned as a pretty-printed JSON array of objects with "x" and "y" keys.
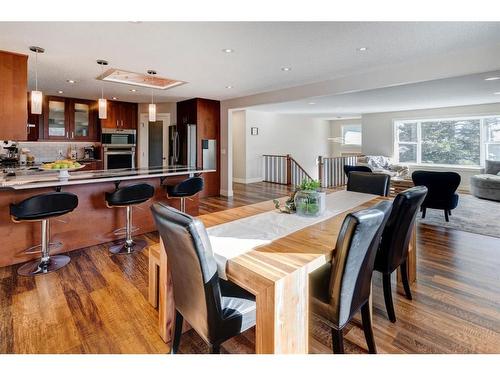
[{"x": 63, "y": 167}]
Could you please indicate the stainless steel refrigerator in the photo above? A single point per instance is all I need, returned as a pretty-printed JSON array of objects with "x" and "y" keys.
[{"x": 182, "y": 145}]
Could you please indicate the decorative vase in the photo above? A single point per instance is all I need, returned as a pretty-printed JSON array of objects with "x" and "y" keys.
[{"x": 310, "y": 203}]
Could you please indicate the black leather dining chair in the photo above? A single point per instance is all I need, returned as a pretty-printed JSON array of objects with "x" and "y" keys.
[
  {"x": 215, "y": 308},
  {"x": 341, "y": 288},
  {"x": 356, "y": 168},
  {"x": 442, "y": 188},
  {"x": 370, "y": 183},
  {"x": 393, "y": 250}
]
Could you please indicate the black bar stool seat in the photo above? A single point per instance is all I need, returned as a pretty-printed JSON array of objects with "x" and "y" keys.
[
  {"x": 185, "y": 189},
  {"x": 127, "y": 197},
  {"x": 41, "y": 208}
]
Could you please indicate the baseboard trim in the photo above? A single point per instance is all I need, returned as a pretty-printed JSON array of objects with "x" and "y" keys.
[
  {"x": 247, "y": 180},
  {"x": 226, "y": 193}
]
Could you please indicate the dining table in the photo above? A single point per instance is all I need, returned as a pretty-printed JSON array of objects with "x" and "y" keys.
[{"x": 277, "y": 273}]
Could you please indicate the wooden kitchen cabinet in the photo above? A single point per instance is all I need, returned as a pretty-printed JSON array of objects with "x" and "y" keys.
[
  {"x": 121, "y": 115},
  {"x": 69, "y": 119},
  {"x": 94, "y": 165},
  {"x": 205, "y": 113},
  {"x": 83, "y": 120},
  {"x": 13, "y": 96}
]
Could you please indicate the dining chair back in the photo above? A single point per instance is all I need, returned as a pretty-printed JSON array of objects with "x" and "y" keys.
[
  {"x": 355, "y": 252},
  {"x": 216, "y": 309},
  {"x": 356, "y": 168},
  {"x": 393, "y": 250},
  {"x": 370, "y": 183},
  {"x": 341, "y": 288}
]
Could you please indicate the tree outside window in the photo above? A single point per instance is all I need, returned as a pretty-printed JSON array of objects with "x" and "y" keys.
[{"x": 448, "y": 141}]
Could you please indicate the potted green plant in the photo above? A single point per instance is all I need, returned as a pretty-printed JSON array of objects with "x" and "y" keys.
[{"x": 309, "y": 200}]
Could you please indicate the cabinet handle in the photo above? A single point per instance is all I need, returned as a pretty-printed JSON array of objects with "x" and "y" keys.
[
  {"x": 117, "y": 124},
  {"x": 72, "y": 135},
  {"x": 67, "y": 135},
  {"x": 122, "y": 123}
]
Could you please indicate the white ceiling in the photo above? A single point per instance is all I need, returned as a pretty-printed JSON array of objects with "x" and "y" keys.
[
  {"x": 465, "y": 90},
  {"x": 192, "y": 52}
]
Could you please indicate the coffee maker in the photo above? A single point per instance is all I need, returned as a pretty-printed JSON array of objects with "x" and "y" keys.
[
  {"x": 89, "y": 152},
  {"x": 11, "y": 155}
]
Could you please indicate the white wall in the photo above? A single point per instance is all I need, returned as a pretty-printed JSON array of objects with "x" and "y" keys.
[
  {"x": 239, "y": 144},
  {"x": 378, "y": 133},
  {"x": 336, "y": 148},
  {"x": 303, "y": 137}
]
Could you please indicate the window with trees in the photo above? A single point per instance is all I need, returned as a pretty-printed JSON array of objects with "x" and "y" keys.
[{"x": 449, "y": 141}]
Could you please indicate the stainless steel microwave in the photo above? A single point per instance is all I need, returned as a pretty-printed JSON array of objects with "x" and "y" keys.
[{"x": 118, "y": 137}]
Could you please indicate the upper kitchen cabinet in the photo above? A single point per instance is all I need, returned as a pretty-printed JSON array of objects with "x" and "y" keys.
[
  {"x": 121, "y": 115},
  {"x": 13, "y": 96},
  {"x": 83, "y": 120},
  {"x": 70, "y": 119}
]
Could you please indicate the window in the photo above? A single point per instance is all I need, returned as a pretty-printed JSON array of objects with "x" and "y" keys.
[
  {"x": 461, "y": 142},
  {"x": 351, "y": 135},
  {"x": 492, "y": 150}
]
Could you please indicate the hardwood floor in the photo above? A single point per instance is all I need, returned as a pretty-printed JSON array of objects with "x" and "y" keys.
[{"x": 98, "y": 303}]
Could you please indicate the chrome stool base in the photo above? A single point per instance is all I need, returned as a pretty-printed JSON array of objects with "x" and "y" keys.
[
  {"x": 124, "y": 248},
  {"x": 40, "y": 267}
]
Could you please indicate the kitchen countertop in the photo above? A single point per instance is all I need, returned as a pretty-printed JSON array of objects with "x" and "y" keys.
[{"x": 33, "y": 179}]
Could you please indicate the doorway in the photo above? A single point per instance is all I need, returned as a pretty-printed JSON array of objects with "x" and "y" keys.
[
  {"x": 155, "y": 144},
  {"x": 153, "y": 141}
]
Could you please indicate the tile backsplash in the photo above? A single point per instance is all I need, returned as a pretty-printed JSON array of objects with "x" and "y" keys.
[{"x": 48, "y": 151}]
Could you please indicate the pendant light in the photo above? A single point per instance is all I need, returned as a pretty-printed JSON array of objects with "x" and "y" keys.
[
  {"x": 36, "y": 96},
  {"x": 152, "y": 105},
  {"x": 102, "y": 103}
]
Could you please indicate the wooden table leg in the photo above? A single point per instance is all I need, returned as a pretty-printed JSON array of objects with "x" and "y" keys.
[
  {"x": 166, "y": 305},
  {"x": 283, "y": 316}
]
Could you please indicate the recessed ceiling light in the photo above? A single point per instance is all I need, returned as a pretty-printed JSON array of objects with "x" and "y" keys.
[
  {"x": 228, "y": 50},
  {"x": 60, "y": 92},
  {"x": 339, "y": 116},
  {"x": 229, "y": 87},
  {"x": 491, "y": 78},
  {"x": 312, "y": 103},
  {"x": 70, "y": 81},
  {"x": 286, "y": 69},
  {"x": 362, "y": 49},
  {"x": 496, "y": 93},
  {"x": 132, "y": 90},
  {"x": 114, "y": 98}
]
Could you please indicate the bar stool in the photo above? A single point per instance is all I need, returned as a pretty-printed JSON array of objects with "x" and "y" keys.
[
  {"x": 185, "y": 189},
  {"x": 41, "y": 208},
  {"x": 127, "y": 197}
]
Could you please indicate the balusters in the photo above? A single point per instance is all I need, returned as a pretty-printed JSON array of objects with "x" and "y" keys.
[{"x": 332, "y": 170}]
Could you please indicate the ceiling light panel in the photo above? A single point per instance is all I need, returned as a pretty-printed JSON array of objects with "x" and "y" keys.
[{"x": 139, "y": 79}]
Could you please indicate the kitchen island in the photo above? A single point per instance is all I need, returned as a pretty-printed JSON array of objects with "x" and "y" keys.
[{"x": 92, "y": 222}]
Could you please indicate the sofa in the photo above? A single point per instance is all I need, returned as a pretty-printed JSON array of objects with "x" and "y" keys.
[
  {"x": 383, "y": 164},
  {"x": 487, "y": 185}
]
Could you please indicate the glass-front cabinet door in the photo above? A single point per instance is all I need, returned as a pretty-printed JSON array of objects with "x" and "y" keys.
[
  {"x": 56, "y": 124},
  {"x": 69, "y": 119},
  {"x": 82, "y": 127}
]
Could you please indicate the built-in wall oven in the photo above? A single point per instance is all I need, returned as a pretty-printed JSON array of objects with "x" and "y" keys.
[{"x": 118, "y": 148}]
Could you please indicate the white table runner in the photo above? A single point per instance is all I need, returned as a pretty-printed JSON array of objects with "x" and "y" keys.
[{"x": 234, "y": 238}]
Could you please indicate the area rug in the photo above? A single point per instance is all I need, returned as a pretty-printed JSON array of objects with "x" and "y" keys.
[{"x": 472, "y": 215}]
